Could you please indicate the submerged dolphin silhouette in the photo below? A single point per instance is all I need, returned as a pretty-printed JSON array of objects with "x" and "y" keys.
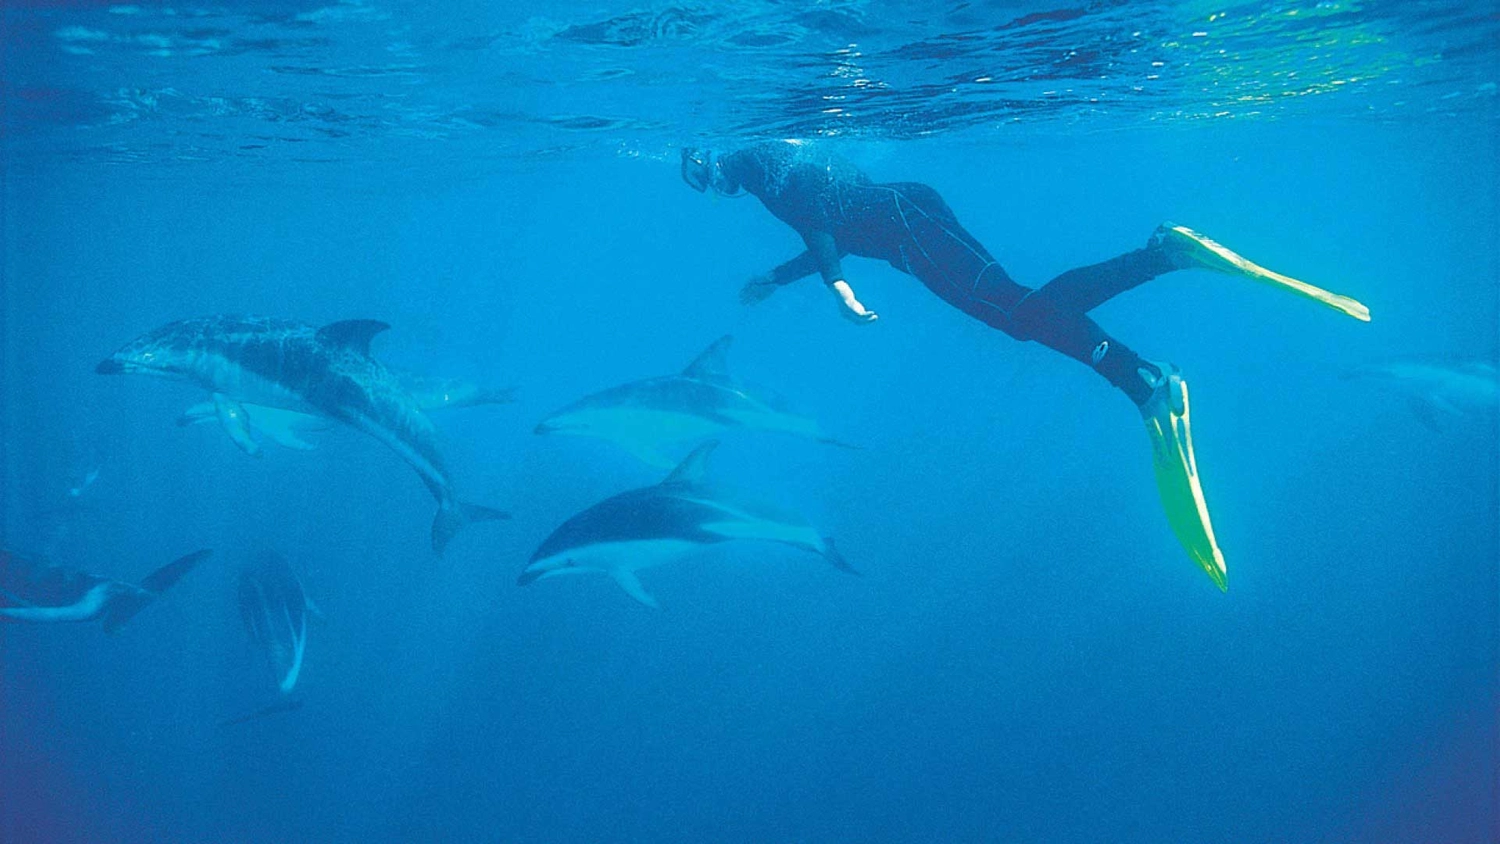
[
  {"x": 288, "y": 365},
  {"x": 1440, "y": 391},
  {"x": 666, "y": 523},
  {"x": 701, "y": 401},
  {"x": 275, "y": 609},
  {"x": 29, "y": 592}
]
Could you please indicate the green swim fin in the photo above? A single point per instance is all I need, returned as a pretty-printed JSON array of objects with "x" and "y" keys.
[
  {"x": 1198, "y": 250},
  {"x": 1168, "y": 423}
]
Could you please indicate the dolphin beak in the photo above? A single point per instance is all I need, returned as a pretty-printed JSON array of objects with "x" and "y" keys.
[
  {"x": 109, "y": 366},
  {"x": 528, "y": 577},
  {"x": 543, "y": 428}
]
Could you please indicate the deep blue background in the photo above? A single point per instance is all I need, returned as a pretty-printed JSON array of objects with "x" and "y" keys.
[{"x": 1029, "y": 656}]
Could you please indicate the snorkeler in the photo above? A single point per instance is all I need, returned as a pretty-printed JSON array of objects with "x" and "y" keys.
[{"x": 839, "y": 211}]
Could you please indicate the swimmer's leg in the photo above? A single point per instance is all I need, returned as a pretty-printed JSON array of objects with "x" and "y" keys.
[
  {"x": 1159, "y": 392},
  {"x": 1086, "y": 288},
  {"x": 1173, "y": 247}
]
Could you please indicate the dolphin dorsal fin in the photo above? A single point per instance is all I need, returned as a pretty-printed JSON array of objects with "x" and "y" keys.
[
  {"x": 713, "y": 363},
  {"x": 352, "y": 334},
  {"x": 693, "y": 467}
]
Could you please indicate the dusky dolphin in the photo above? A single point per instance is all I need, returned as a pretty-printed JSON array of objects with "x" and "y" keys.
[
  {"x": 36, "y": 593},
  {"x": 286, "y": 428},
  {"x": 275, "y": 609},
  {"x": 1438, "y": 392},
  {"x": 288, "y": 365},
  {"x": 666, "y": 523},
  {"x": 699, "y": 402}
]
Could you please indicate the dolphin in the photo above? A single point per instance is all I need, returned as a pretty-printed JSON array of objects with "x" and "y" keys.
[
  {"x": 699, "y": 402},
  {"x": 1440, "y": 391},
  {"x": 287, "y": 427},
  {"x": 30, "y": 592},
  {"x": 289, "y": 365},
  {"x": 666, "y": 523},
  {"x": 275, "y": 608}
]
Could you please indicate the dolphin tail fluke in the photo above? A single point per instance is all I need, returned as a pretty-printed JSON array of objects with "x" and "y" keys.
[
  {"x": 125, "y": 607},
  {"x": 165, "y": 577},
  {"x": 451, "y": 518},
  {"x": 835, "y": 558}
]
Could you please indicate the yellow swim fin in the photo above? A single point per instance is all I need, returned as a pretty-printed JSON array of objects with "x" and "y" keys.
[
  {"x": 1167, "y": 422},
  {"x": 1191, "y": 248}
]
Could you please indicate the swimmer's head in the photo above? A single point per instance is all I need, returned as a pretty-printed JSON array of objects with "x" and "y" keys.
[{"x": 697, "y": 168}]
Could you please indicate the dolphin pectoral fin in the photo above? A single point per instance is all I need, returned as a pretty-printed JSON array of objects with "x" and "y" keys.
[
  {"x": 836, "y": 559},
  {"x": 452, "y": 516},
  {"x": 632, "y": 586},
  {"x": 840, "y": 444},
  {"x": 236, "y": 423},
  {"x": 201, "y": 412}
]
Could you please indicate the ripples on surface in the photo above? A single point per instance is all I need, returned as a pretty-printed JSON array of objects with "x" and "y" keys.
[{"x": 314, "y": 82}]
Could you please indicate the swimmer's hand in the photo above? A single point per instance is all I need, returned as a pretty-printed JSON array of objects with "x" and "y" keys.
[
  {"x": 758, "y": 289},
  {"x": 849, "y": 306}
]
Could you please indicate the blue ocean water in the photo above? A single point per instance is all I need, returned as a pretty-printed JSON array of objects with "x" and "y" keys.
[{"x": 1028, "y": 654}]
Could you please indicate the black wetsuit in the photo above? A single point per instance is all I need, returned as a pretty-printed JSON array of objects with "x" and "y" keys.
[{"x": 839, "y": 211}]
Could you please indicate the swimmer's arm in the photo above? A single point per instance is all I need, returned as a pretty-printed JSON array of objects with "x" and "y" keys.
[
  {"x": 799, "y": 267},
  {"x": 826, "y": 252}
]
